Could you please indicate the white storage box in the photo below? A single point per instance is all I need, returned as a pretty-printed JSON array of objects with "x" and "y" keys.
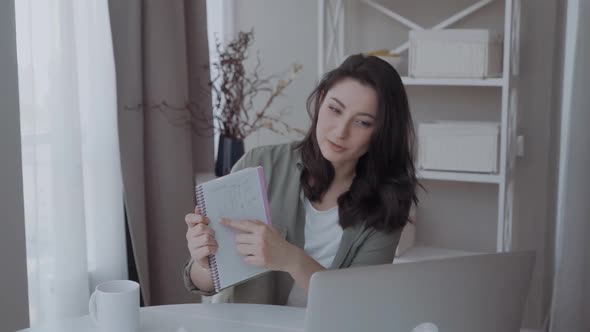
[
  {"x": 454, "y": 53},
  {"x": 458, "y": 146}
]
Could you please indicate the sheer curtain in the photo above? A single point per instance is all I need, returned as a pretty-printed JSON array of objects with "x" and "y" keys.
[{"x": 74, "y": 215}]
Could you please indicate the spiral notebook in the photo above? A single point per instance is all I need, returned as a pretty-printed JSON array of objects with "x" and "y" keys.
[{"x": 239, "y": 195}]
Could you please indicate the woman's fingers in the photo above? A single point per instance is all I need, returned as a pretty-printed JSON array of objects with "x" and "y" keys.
[
  {"x": 249, "y": 226},
  {"x": 198, "y": 230},
  {"x": 246, "y": 249},
  {"x": 202, "y": 252},
  {"x": 202, "y": 240},
  {"x": 254, "y": 260},
  {"x": 247, "y": 238},
  {"x": 193, "y": 219}
]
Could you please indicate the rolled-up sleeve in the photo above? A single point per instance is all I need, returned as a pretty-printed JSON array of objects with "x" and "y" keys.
[
  {"x": 188, "y": 282},
  {"x": 245, "y": 161},
  {"x": 378, "y": 248}
]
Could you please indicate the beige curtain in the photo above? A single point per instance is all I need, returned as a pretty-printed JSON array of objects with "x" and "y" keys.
[{"x": 161, "y": 54}]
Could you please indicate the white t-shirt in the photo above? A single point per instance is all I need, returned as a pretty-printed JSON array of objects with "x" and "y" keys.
[{"x": 322, "y": 239}]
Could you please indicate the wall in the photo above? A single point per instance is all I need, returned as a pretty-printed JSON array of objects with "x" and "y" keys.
[
  {"x": 554, "y": 150},
  {"x": 534, "y": 188},
  {"x": 571, "y": 298},
  {"x": 285, "y": 32},
  {"x": 555, "y": 132},
  {"x": 14, "y": 312}
]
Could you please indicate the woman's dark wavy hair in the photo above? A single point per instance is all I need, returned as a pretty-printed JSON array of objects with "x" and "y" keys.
[{"x": 385, "y": 184}]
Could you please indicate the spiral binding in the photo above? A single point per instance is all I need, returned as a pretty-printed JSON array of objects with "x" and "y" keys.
[{"x": 200, "y": 194}]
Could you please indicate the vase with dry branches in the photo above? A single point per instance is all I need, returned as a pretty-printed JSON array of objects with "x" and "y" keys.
[{"x": 234, "y": 92}]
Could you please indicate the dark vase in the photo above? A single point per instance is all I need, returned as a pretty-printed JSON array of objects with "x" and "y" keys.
[{"x": 229, "y": 151}]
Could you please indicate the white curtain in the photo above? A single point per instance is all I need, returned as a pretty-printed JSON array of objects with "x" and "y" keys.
[
  {"x": 74, "y": 213},
  {"x": 570, "y": 307}
]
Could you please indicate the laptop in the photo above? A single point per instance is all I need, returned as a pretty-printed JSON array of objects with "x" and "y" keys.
[{"x": 482, "y": 292}]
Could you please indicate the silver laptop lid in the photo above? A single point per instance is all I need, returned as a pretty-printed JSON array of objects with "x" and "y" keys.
[{"x": 483, "y": 293}]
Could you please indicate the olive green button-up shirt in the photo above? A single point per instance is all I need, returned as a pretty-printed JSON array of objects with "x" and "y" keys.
[{"x": 359, "y": 245}]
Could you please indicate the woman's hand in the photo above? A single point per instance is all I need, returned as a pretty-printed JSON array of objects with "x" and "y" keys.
[
  {"x": 200, "y": 238},
  {"x": 263, "y": 246}
]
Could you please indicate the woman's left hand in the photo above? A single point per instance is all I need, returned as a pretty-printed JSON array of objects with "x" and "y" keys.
[{"x": 262, "y": 245}]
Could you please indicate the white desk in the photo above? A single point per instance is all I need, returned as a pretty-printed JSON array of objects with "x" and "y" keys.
[{"x": 201, "y": 318}]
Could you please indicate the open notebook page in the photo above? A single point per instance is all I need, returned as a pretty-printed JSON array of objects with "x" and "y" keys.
[{"x": 239, "y": 195}]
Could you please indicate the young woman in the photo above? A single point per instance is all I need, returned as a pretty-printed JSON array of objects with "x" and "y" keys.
[{"x": 339, "y": 198}]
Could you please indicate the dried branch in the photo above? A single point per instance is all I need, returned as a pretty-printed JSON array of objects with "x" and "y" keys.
[
  {"x": 237, "y": 91},
  {"x": 234, "y": 94}
]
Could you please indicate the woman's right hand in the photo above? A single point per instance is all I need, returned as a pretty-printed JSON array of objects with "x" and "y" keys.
[{"x": 200, "y": 238}]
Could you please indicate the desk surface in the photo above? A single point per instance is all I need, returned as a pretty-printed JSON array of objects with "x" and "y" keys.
[{"x": 200, "y": 318}]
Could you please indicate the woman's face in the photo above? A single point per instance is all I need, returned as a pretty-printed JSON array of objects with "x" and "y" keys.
[{"x": 346, "y": 122}]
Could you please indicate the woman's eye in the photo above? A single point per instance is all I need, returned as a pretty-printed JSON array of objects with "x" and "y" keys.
[
  {"x": 364, "y": 123},
  {"x": 334, "y": 109}
]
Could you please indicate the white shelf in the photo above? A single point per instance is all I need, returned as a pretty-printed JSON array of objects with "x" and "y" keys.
[
  {"x": 459, "y": 176},
  {"x": 332, "y": 18},
  {"x": 497, "y": 82},
  {"x": 422, "y": 253}
]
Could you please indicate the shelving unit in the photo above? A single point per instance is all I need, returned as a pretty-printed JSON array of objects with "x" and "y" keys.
[
  {"x": 332, "y": 49},
  {"x": 497, "y": 82},
  {"x": 459, "y": 176}
]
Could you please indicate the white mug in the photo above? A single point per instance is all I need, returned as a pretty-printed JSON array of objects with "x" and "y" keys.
[{"x": 114, "y": 306}]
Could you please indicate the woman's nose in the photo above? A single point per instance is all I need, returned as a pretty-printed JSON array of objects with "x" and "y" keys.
[{"x": 341, "y": 129}]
